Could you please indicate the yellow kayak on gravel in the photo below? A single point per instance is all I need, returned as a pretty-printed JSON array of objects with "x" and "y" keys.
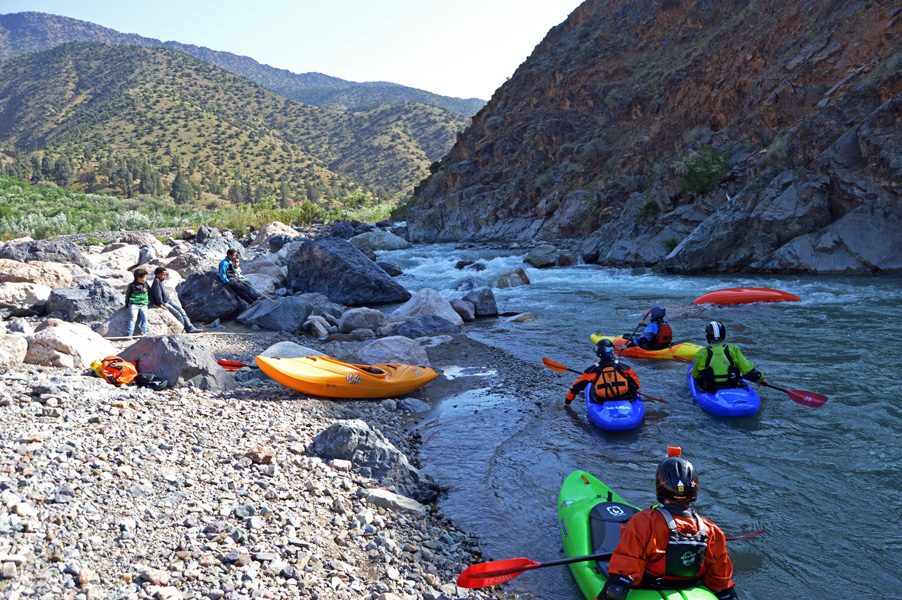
[
  {"x": 324, "y": 376},
  {"x": 686, "y": 350}
]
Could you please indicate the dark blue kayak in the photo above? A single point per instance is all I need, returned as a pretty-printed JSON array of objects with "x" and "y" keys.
[
  {"x": 615, "y": 415},
  {"x": 732, "y": 402}
]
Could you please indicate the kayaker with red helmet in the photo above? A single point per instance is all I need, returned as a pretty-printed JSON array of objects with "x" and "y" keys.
[
  {"x": 657, "y": 335},
  {"x": 719, "y": 366},
  {"x": 669, "y": 546},
  {"x": 609, "y": 378}
]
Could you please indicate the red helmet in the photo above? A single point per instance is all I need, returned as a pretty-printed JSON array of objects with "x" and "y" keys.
[{"x": 676, "y": 478}]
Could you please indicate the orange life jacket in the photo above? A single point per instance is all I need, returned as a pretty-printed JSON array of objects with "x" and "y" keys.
[
  {"x": 117, "y": 371},
  {"x": 611, "y": 383}
]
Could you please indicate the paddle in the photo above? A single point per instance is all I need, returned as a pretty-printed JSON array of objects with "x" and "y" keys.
[
  {"x": 497, "y": 572},
  {"x": 561, "y": 368},
  {"x": 234, "y": 365},
  {"x": 630, "y": 336},
  {"x": 802, "y": 397},
  {"x": 810, "y": 399}
]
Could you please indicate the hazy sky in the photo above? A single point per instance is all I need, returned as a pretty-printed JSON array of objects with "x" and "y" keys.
[{"x": 462, "y": 48}]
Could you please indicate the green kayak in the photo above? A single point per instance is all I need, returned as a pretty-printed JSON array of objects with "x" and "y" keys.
[{"x": 589, "y": 518}]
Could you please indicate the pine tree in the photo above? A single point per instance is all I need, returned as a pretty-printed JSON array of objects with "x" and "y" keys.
[
  {"x": 62, "y": 172},
  {"x": 182, "y": 190},
  {"x": 284, "y": 202}
]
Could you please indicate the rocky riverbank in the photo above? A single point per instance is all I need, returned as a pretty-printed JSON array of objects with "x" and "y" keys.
[{"x": 126, "y": 493}]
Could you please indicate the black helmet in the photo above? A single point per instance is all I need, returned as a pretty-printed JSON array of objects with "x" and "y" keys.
[
  {"x": 676, "y": 478},
  {"x": 715, "y": 331},
  {"x": 657, "y": 312},
  {"x": 604, "y": 348}
]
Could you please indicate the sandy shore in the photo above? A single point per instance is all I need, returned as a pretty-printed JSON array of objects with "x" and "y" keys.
[{"x": 126, "y": 493}]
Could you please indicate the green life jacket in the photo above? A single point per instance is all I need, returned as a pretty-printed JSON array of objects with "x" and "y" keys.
[{"x": 720, "y": 374}]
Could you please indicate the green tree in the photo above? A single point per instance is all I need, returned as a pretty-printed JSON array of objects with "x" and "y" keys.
[
  {"x": 182, "y": 190},
  {"x": 47, "y": 167},
  {"x": 284, "y": 201},
  {"x": 62, "y": 172}
]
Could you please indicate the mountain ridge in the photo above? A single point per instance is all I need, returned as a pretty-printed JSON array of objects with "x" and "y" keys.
[
  {"x": 630, "y": 124},
  {"x": 33, "y": 31}
]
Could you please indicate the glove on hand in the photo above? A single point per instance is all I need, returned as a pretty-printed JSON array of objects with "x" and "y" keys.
[
  {"x": 727, "y": 594},
  {"x": 616, "y": 588}
]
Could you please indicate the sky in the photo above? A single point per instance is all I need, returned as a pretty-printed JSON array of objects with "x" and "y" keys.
[{"x": 459, "y": 48}]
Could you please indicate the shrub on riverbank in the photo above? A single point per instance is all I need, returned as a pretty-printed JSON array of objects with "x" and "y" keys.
[{"x": 45, "y": 210}]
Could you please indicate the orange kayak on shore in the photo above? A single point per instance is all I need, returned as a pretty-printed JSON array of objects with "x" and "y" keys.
[
  {"x": 686, "y": 350},
  {"x": 324, "y": 376},
  {"x": 745, "y": 296}
]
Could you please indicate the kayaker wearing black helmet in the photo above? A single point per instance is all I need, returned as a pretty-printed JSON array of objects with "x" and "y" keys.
[
  {"x": 657, "y": 335},
  {"x": 610, "y": 379},
  {"x": 720, "y": 366},
  {"x": 669, "y": 546}
]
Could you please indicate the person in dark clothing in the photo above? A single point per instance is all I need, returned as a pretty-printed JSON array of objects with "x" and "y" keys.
[
  {"x": 136, "y": 301},
  {"x": 230, "y": 274},
  {"x": 657, "y": 335},
  {"x": 160, "y": 299},
  {"x": 610, "y": 379}
]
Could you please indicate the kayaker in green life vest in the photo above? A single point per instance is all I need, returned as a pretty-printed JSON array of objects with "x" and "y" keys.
[{"x": 720, "y": 366}]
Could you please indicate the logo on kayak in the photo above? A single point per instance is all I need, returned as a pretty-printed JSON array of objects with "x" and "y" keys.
[
  {"x": 689, "y": 558},
  {"x": 616, "y": 511},
  {"x": 417, "y": 372},
  {"x": 353, "y": 377}
]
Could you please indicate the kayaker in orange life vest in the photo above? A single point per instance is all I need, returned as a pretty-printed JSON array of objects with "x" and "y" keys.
[
  {"x": 610, "y": 379},
  {"x": 669, "y": 546},
  {"x": 657, "y": 335}
]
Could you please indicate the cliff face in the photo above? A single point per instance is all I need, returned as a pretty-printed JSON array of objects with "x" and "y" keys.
[{"x": 632, "y": 123}]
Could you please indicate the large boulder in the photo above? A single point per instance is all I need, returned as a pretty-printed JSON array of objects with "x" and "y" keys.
[
  {"x": 324, "y": 307},
  {"x": 68, "y": 345},
  {"x": 466, "y": 310},
  {"x": 215, "y": 249},
  {"x": 289, "y": 350},
  {"x": 379, "y": 240},
  {"x": 342, "y": 229},
  {"x": 53, "y": 275},
  {"x": 392, "y": 349},
  {"x": 542, "y": 257},
  {"x": 280, "y": 314},
  {"x": 390, "y": 268},
  {"x": 428, "y": 301},
  {"x": 159, "y": 322},
  {"x": 483, "y": 300},
  {"x": 261, "y": 240},
  {"x": 372, "y": 456},
  {"x": 13, "y": 349},
  {"x": 179, "y": 360},
  {"x": 19, "y": 299},
  {"x": 361, "y": 318},
  {"x": 188, "y": 262},
  {"x": 205, "y": 298},
  {"x": 206, "y": 232},
  {"x": 512, "y": 278},
  {"x": 264, "y": 264},
  {"x": 262, "y": 284},
  {"x": 333, "y": 267},
  {"x": 118, "y": 259},
  {"x": 85, "y": 303},
  {"x": 46, "y": 251},
  {"x": 421, "y": 326}
]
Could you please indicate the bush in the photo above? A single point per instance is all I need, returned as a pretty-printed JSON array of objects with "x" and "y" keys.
[
  {"x": 649, "y": 210},
  {"x": 670, "y": 243},
  {"x": 777, "y": 154},
  {"x": 493, "y": 124},
  {"x": 701, "y": 171},
  {"x": 545, "y": 181}
]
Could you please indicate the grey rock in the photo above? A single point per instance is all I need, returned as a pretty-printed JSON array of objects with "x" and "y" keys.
[
  {"x": 421, "y": 326},
  {"x": 280, "y": 314},
  {"x": 289, "y": 350},
  {"x": 513, "y": 278},
  {"x": 466, "y": 310},
  {"x": 413, "y": 405},
  {"x": 390, "y": 268},
  {"x": 180, "y": 361},
  {"x": 483, "y": 300},
  {"x": 379, "y": 240},
  {"x": 361, "y": 318},
  {"x": 372, "y": 456},
  {"x": 44, "y": 250},
  {"x": 205, "y": 298},
  {"x": 206, "y": 232},
  {"x": 336, "y": 269},
  {"x": 342, "y": 229},
  {"x": 428, "y": 301},
  {"x": 393, "y": 349},
  {"x": 85, "y": 303},
  {"x": 542, "y": 257}
]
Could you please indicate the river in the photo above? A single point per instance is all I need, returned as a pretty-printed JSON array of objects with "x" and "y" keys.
[{"x": 825, "y": 483}]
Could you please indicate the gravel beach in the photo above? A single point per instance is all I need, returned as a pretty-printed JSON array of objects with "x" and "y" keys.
[{"x": 119, "y": 493}]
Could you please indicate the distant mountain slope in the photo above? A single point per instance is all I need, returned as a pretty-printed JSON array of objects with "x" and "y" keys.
[
  {"x": 693, "y": 135},
  {"x": 95, "y": 102},
  {"x": 32, "y": 31}
]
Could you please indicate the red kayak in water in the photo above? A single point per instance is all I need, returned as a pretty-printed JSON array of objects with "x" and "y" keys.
[{"x": 745, "y": 296}]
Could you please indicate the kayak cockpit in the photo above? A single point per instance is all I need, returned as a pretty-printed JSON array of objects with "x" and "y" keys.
[{"x": 605, "y": 520}]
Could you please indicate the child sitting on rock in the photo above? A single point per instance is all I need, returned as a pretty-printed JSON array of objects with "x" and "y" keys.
[{"x": 136, "y": 301}]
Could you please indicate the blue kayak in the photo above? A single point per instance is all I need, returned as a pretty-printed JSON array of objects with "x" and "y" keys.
[
  {"x": 615, "y": 415},
  {"x": 731, "y": 402}
]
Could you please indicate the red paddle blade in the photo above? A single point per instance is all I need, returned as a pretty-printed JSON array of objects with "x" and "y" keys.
[
  {"x": 494, "y": 573},
  {"x": 743, "y": 536},
  {"x": 554, "y": 367},
  {"x": 231, "y": 365},
  {"x": 807, "y": 398}
]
